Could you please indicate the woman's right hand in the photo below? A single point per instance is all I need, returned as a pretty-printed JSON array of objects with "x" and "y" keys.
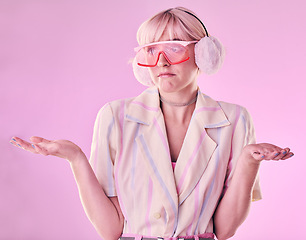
[{"x": 59, "y": 148}]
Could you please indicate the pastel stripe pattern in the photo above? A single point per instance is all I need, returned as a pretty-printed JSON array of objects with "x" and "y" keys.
[
  {"x": 163, "y": 185},
  {"x": 150, "y": 194},
  {"x": 216, "y": 124},
  {"x": 135, "y": 119},
  {"x": 230, "y": 164},
  {"x": 162, "y": 137},
  {"x": 210, "y": 188},
  {"x": 97, "y": 151},
  {"x": 154, "y": 109},
  {"x": 131, "y": 158},
  {"x": 245, "y": 129},
  {"x": 121, "y": 126},
  {"x": 109, "y": 161},
  {"x": 212, "y": 109},
  {"x": 196, "y": 208},
  {"x": 134, "y": 158},
  {"x": 192, "y": 157}
]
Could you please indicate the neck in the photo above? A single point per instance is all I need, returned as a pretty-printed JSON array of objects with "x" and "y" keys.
[
  {"x": 174, "y": 104},
  {"x": 181, "y": 111},
  {"x": 179, "y": 97}
]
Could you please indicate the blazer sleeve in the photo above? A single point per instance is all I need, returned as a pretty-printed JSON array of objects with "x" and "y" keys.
[
  {"x": 103, "y": 149},
  {"x": 243, "y": 134}
]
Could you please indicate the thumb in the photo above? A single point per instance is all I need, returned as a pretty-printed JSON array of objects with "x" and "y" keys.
[
  {"x": 36, "y": 139},
  {"x": 41, "y": 145},
  {"x": 258, "y": 155}
]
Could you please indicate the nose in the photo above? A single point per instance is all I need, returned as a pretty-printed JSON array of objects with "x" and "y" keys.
[{"x": 162, "y": 60}]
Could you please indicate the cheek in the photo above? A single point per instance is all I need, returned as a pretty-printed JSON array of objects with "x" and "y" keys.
[
  {"x": 192, "y": 63},
  {"x": 191, "y": 50},
  {"x": 190, "y": 66},
  {"x": 190, "y": 71},
  {"x": 192, "y": 57}
]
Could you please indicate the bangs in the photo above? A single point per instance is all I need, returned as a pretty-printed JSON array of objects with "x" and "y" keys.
[{"x": 176, "y": 26}]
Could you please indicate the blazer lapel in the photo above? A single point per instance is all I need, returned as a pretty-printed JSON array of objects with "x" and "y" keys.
[
  {"x": 155, "y": 150},
  {"x": 153, "y": 146},
  {"x": 198, "y": 147}
]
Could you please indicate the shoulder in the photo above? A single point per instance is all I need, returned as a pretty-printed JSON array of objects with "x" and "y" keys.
[
  {"x": 146, "y": 99},
  {"x": 232, "y": 111},
  {"x": 229, "y": 108},
  {"x": 114, "y": 107},
  {"x": 236, "y": 113}
]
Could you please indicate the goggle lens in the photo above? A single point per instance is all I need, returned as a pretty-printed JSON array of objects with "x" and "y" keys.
[{"x": 174, "y": 51}]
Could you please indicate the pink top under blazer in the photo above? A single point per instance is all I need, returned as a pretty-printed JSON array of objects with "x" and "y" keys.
[{"x": 130, "y": 156}]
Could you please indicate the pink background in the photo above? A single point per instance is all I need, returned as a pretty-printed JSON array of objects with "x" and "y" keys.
[{"x": 60, "y": 61}]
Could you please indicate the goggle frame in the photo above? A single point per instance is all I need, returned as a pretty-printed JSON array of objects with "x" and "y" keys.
[{"x": 183, "y": 43}]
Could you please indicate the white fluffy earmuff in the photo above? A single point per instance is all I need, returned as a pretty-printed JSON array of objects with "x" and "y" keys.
[{"x": 209, "y": 56}]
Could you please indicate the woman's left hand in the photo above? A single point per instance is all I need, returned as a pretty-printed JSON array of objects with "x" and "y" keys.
[{"x": 266, "y": 151}]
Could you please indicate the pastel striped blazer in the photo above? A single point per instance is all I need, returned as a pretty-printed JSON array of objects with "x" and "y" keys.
[{"x": 131, "y": 159}]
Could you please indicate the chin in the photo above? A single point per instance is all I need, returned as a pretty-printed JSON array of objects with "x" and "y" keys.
[{"x": 166, "y": 86}]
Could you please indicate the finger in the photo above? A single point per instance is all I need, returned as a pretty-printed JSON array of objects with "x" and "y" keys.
[
  {"x": 14, "y": 142},
  {"x": 41, "y": 150},
  {"x": 18, "y": 142},
  {"x": 278, "y": 154},
  {"x": 37, "y": 148},
  {"x": 282, "y": 153},
  {"x": 270, "y": 152},
  {"x": 289, "y": 154},
  {"x": 41, "y": 145},
  {"x": 285, "y": 152},
  {"x": 271, "y": 155}
]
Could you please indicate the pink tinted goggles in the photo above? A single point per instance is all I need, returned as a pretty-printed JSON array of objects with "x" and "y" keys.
[{"x": 175, "y": 52}]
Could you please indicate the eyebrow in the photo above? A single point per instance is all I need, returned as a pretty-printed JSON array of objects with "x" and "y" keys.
[{"x": 177, "y": 39}]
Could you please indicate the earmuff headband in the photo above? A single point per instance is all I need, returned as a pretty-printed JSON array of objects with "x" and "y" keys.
[
  {"x": 198, "y": 20},
  {"x": 206, "y": 32}
]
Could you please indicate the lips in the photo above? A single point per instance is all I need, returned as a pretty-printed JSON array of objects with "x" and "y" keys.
[{"x": 166, "y": 74}]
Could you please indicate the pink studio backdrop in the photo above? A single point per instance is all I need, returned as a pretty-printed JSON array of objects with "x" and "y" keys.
[{"x": 60, "y": 61}]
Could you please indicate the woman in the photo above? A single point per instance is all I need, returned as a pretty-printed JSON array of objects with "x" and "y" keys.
[{"x": 172, "y": 162}]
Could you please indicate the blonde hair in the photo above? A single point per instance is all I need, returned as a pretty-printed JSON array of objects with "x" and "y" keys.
[{"x": 176, "y": 22}]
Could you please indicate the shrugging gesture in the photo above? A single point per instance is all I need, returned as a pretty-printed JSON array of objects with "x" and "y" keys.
[
  {"x": 177, "y": 160},
  {"x": 103, "y": 212}
]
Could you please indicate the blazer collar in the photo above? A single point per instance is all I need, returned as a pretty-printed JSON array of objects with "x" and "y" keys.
[
  {"x": 195, "y": 153},
  {"x": 146, "y": 106}
]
